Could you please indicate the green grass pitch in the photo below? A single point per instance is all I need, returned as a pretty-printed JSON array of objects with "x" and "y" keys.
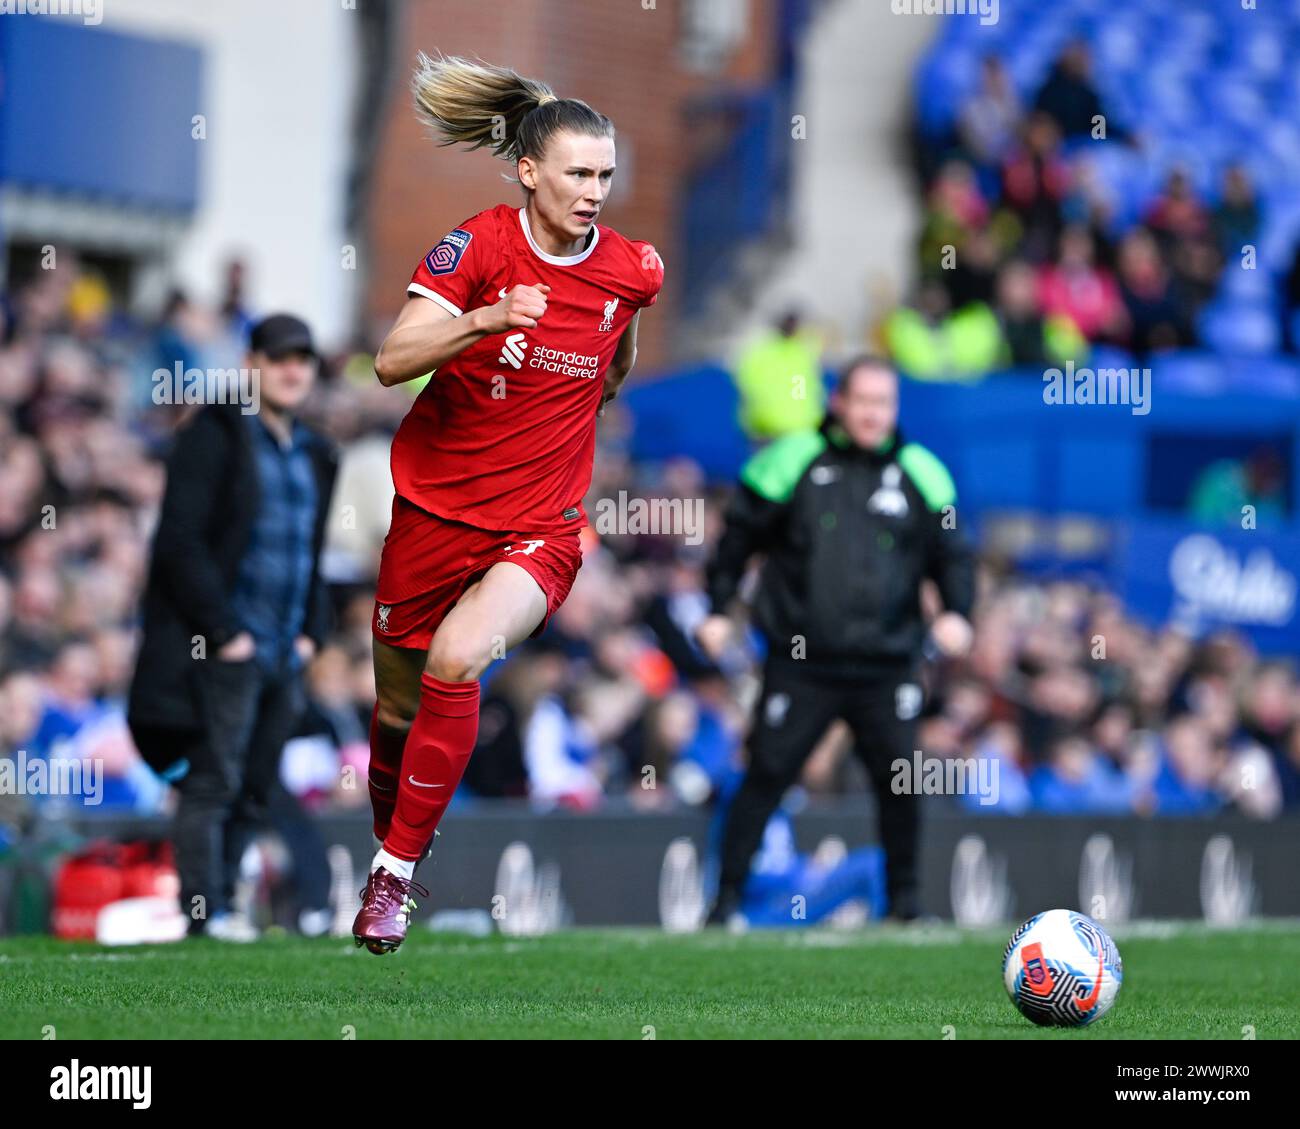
[{"x": 1181, "y": 981}]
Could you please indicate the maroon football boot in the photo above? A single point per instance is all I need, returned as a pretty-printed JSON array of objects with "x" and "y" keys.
[{"x": 386, "y": 906}]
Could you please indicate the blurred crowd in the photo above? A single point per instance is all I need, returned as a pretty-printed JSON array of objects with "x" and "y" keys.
[
  {"x": 1083, "y": 709},
  {"x": 1023, "y": 259}
]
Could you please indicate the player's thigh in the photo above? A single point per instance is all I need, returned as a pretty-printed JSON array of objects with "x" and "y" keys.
[
  {"x": 496, "y": 613},
  {"x": 397, "y": 683},
  {"x": 792, "y": 714}
]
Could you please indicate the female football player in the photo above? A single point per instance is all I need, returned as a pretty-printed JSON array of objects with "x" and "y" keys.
[{"x": 527, "y": 317}]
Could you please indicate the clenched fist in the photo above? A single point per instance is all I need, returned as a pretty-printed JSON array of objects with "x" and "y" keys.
[{"x": 521, "y": 308}]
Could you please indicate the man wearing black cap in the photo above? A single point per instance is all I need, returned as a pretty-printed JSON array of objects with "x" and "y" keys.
[{"x": 233, "y": 610}]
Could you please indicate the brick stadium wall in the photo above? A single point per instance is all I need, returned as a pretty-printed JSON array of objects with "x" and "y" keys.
[{"x": 614, "y": 54}]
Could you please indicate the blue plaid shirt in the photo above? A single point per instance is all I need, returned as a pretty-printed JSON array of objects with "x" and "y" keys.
[{"x": 270, "y": 597}]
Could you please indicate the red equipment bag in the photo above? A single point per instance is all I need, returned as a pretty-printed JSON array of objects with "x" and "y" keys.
[{"x": 106, "y": 872}]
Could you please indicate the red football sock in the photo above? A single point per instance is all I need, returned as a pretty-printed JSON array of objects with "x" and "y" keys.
[
  {"x": 386, "y": 747},
  {"x": 437, "y": 750}
]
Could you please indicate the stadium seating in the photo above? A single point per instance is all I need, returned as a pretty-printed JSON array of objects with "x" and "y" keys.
[{"x": 1226, "y": 89}]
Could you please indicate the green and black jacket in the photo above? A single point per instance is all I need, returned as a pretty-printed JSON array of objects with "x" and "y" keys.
[{"x": 848, "y": 535}]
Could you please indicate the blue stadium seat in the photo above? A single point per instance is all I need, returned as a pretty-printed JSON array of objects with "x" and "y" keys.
[
  {"x": 1252, "y": 287},
  {"x": 1234, "y": 100},
  {"x": 1265, "y": 376},
  {"x": 1189, "y": 372},
  {"x": 1242, "y": 328}
]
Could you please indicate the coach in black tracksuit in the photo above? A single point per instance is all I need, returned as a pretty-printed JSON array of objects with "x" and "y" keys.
[{"x": 851, "y": 518}]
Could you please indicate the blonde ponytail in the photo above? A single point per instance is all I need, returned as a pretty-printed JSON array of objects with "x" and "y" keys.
[{"x": 477, "y": 105}]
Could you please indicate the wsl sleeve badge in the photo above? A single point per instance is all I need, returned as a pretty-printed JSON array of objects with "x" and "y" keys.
[
  {"x": 445, "y": 257},
  {"x": 1061, "y": 969}
]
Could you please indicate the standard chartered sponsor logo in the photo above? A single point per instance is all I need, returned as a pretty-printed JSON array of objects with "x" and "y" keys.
[
  {"x": 518, "y": 352},
  {"x": 567, "y": 364},
  {"x": 512, "y": 352}
]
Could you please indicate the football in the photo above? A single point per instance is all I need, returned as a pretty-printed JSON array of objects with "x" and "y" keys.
[{"x": 1061, "y": 969}]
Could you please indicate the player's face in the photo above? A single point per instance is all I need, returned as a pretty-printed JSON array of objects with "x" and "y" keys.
[
  {"x": 868, "y": 406},
  {"x": 285, "y": 381},
  {"x": 570, "y": 182}
]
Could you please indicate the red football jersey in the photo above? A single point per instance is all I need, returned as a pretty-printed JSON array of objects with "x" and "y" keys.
[{"x": 504, "y": 434}]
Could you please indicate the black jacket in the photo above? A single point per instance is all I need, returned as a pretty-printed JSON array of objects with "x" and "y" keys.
[
  {"x": 849, "y": 535},
  {"x": 207, "y": 518}
]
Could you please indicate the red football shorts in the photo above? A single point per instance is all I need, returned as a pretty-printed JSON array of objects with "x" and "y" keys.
[{"x": 428, "y": 562}]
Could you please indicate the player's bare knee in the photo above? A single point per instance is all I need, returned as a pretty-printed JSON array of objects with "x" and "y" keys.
[{"x": 453, "y": 658}]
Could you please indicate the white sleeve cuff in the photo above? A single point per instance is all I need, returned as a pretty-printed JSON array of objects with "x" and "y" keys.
[{"x": 432, "y": 295}]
